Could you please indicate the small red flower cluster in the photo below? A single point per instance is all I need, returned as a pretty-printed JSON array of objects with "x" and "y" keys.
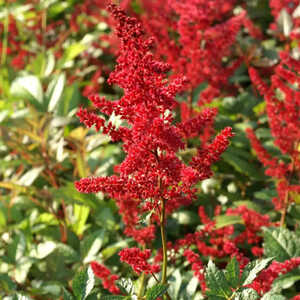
[
  {"x": 214, "y": 242},
  {"x": 197, "y": 266},
  {"x": 108, "y": 279},
  {"x": 263, "y": 282},
  {"x": 137, "y": 259}
]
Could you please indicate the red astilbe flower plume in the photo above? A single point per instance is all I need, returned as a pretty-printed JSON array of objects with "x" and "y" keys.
[
  {"x": 283, "y": 108},
  {"x": 108, "y": 279},
  {"x": 195, "y": 36},
  {"x": 151, "y": 170}
]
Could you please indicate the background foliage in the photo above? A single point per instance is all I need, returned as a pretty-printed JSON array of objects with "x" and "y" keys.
[{"x": 53, "y": 55}]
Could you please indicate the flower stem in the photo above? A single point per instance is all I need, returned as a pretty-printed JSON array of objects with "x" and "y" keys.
[
  {"x": 286, "y": 198},
  {"x": 142, "y": 286},
  {"x": 164, "y": 242}
]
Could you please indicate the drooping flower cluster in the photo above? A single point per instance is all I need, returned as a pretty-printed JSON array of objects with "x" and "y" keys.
[
  {"x": 108, "y": 279},
  {"x": 282, "y": 104},
  {"x": 151, "y": 172},
  {"x": 197, "y": 266},
  {"x": 137, "y": 259}
]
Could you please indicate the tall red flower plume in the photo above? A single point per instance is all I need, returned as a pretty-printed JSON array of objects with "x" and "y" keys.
[{"x": 151, "y": 170}]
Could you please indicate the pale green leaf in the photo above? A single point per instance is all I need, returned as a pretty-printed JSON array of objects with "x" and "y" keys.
[{"x": 253, "y": 269}]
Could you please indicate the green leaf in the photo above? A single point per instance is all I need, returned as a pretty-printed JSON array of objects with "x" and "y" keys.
[
  {"x": 28, "y": 88},
  {"x": 281, "y": 243},
  {"x": 54, "y": 92},
  {"x": 232, "y": 273},
  {"x": 285, "y": 22},
  {"x": 246, "y": 294},
  {"x": 192, "y": 286},
  {"x": 83, "y": 284},
  {"x": 253, "y": 269},
  {"x": 81, "y": 214},
  {"x": 224, "y": 220},
  {"x": 125, "y": 285},
  {"x": 19, "y": 296},
  {"x": 156, "y": 291},
  {"x": 71, "y": 52},
  {"x": 17, "y": 248},
  {"x": 29, "y": 177},
  {"x": 272, "y": 296},
  {"x": 70, "y": 100},
  {"x": 42, "y": 250},
  {"x": 6, "y": 283},
  {"x": 235, "y": 158},
  {"x": 286, "y": 281},
  {"x": 67, "y": 253},
  {"x": 216, "y": 281},
  {"x": 175, "y": 281},
  {"x": 91, "y": 244},
  {"x": 50, "y": 64},
  {"x": 67, "y": 295}
]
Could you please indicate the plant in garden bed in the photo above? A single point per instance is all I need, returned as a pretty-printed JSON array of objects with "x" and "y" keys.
[
  {"x": 159, "y": 230},
  {"x": 152, "y": 180}
]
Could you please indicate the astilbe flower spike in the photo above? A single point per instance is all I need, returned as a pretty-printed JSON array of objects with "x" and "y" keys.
[
  {"x": 151, "y": 177},
  {"x": 194, "y": 36},
  {"x": 282, "y": 104}
]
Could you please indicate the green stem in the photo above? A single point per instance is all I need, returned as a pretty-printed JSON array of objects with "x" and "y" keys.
[
  {"x": 142, "y": 286},
  {"x": 164, "y": 241},
  {"x": 5, "y": 37}
]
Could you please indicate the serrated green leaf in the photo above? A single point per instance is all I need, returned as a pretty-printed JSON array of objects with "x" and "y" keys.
[
  {"x": 253, "y": 269},
  {"x": 156, "y": 291},
  {"x": 216, "y": 281},
  {"x": 125, "y": 285},
  {"x": 281, "y": 243},
  {"x": 246, "y": 294},
  {"x": 83, "y": 284},
  {"x": 232, "y": 273},
  {"x": 272, "y": 296}
]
